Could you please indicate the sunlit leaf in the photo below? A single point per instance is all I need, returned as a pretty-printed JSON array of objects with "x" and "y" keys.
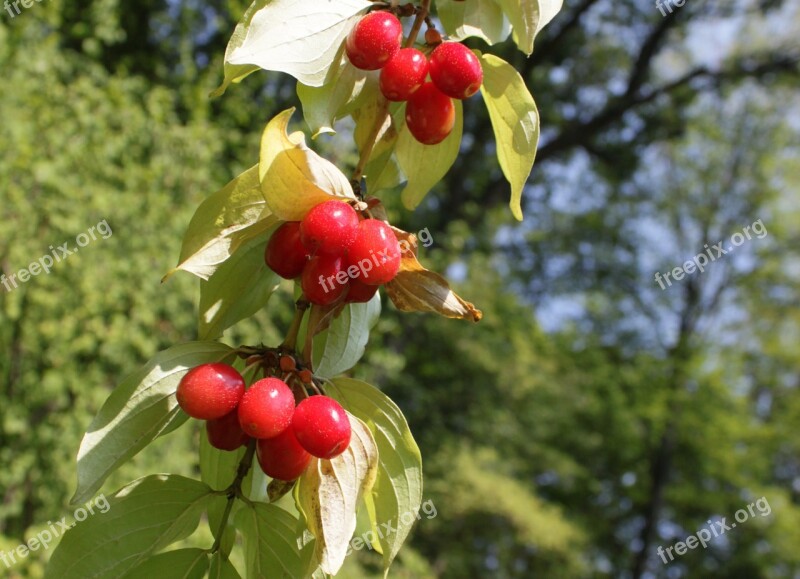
[
  {"x": 299, "y": 38},
  {"x": 234, "y": 73},
  {"x": 293, "y": 177},
  {"x": 179, "y": 564},
  {"x": 515, "y": 121},
  {"x": 481, "y": 18},
  {"x": 226, "y": 219}
]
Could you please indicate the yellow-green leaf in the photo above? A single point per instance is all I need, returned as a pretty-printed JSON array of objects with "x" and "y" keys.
[
  {"x": 324, "y": 105},
  {"x": 234, "y": 73},
  {"x": 226, "y": 219},
  {"x": 481, "y": 18},
  {"x": 515, "y": 121},
  {"x": 426, "y": 165},
  {"x": 293, "y": 177}
]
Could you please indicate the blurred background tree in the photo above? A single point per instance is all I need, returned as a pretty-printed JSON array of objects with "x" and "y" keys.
[{"x": 589, "y": 419}]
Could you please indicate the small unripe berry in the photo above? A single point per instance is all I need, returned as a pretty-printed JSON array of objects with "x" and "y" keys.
[
  {"x": 322, "y": 426},
  {"x": 282, "y": 457},
  {"x": 374, "y": 40},
  {"x": 285, "y": 253},
  {"x": 319, "y": 282},
  {"x": 404, "y": 74},
  {"x": 430, "y": 115},
  {"x": 455, "y": 70},
  {"x": 287, "y": 363},
  {"x": 306, "y": 377},
  {"x": 225, "y": 433},
  {"x": 329, "y": 228},
  {"x": 266, "y": 408},
  {"x": 376, "y": 253},
  {"x": 210, "y": 391},
  {"x": 432, "y": 37}
]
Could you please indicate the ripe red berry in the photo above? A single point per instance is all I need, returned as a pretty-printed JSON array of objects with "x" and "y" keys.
[
  {"x": 376, "y": 253},
  {"x": 324, "y": 279},
  {"x": 329, "y": 228},
  {"x": 430, "y": 114},
  {"x": 210, "y": 391},
  {"x": 322, "y": 426},
  {"x": 359, "y": 292},
  {"x": 282, "y": 457},
  {"x": 285, "y": 254},
  {"x": 266, "y": 408},
  {"x": 225, "y": 433},
  {"x": 455, "y": 70},
  {"x": 374, "y": 40},
  {"x": 404, "y": 74}
]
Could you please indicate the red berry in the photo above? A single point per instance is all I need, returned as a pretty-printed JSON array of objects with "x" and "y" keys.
[
  {"x": 225, "y": 433},
  {"x": 455, "y": 70},
  {"x": 430, "y": 114},
  {"x": 375, "y": 252},
  {"x": 210, "y": 391},
  {"x": 266, "y": 408},
  {"x": 404, "y": 74},
  {"x": 282, "y": 457},
  {"x": 285, "y": 254},
  {"x": 374, "y": 40},
  {"x": 329, "y": 228},
  {"x": 324, "y": 279},
  {"x": 322, "y": 426},
  {"x": 359, "y": 292}
]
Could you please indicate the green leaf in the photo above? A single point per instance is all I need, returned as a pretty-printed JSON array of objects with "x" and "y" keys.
[
  {"x": 180, "y": 564},
  {"x": 324, "y": 105},
  {"x": 224, "y": 221},
  {"x": 270, "y": 541},
  {"x": 528, "y": 17},
  {"x": 144, "y": 517},
  {"x": 481, "y": 18},
  {"x": 293, "y": 177},
  {"x": 141, "y": 408},
  {"x": 425, "y": 165},
  {"x": 398, "y": 487},
  {"x": 342, "y": 345},
  {"x": 237, "y": 290},
  {"x": 299, "y": 38},
  {"x": 234, "y": 73},
  {"x": 330, "y": 491},
  {"x": 221, "y": 568},
  {"x": 218, "y": 470},
  {"x": 515, "y": 121}
]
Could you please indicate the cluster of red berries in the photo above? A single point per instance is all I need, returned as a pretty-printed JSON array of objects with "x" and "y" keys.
[
  {"x": 287, "y": 435},
  {"x": 335, "y": 253},
  {"x": 455, "y": 73}
]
